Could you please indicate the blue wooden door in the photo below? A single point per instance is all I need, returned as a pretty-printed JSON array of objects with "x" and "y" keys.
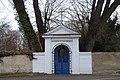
[{"x": 61, "y": 60}]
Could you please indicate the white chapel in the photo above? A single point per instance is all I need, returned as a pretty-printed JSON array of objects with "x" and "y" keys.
[{"x": 62, "y": 54}]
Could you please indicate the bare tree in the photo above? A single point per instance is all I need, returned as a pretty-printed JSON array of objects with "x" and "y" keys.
[
  {"x": 9, "y": 39},
  {"x": 39, "y": 21},
  {"x": 90, "y": 16},
  {"x": 43, "y": 18},
  {"x": 98, "y": 19},
  {"x": 26, "y": 25},
  {"x": 51, "y": 13}
]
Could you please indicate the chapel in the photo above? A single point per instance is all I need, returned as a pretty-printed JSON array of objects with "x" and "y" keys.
[{"x": 62, "y": 54}]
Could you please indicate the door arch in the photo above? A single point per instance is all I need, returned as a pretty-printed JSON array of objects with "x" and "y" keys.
[{"x": 61, "y": 59}]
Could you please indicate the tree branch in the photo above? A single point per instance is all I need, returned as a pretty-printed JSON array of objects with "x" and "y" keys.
[{"x": 108, "y": 11}]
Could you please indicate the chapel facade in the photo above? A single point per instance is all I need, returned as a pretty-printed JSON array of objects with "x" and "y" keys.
[{"x": 62, "y": 54}]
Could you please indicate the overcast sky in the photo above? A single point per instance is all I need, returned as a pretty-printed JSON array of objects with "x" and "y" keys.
[{"x": 6, "y": 11}]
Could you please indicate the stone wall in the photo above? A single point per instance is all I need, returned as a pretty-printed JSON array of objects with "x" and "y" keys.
[
  {"x": 106, "y": 62},
  {"x": 102, "y": 63},
  {"x": 15, "y": 64}
]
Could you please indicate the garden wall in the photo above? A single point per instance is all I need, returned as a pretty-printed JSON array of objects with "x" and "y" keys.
[
  {"x": 102, "y": 63},
  {"x": 106, "y": 62},
  {"x": 15, "y": 64}
]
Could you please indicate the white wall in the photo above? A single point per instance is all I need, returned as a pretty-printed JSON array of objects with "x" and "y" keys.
[
  {"x": 39, "y": 62},
  {"x": 75, "y": 56},
  {"x": 48, "y": 56},
  {"x": 85, "y": 62},
  {"x": 81, "y": 63}
]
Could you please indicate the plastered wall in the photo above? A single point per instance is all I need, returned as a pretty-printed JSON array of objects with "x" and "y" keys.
[{"x": 15, "y": 64}]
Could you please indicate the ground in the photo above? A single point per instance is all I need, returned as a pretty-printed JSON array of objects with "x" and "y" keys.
[{"x": 61, "y": 77}]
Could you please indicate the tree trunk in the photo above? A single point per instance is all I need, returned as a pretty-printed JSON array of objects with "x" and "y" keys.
[
  {"x": 97, "y": 21},
  {"x": 90, "y": 37},
  {"x": 39, "y": 22},
  {"x": 26, "y": 25}
]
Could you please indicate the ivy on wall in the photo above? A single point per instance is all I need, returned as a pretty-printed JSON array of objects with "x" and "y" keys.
[{"x": 5, "y": 54}]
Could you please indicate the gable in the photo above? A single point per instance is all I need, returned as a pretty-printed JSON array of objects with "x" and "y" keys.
[{"x": 61, "y": 30}]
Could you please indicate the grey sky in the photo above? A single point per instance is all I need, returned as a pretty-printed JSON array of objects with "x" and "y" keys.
[{"x": 7, "y": 13}]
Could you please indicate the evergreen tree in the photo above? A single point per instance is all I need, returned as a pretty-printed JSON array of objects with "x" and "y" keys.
[{"x": 110, "y": 37}]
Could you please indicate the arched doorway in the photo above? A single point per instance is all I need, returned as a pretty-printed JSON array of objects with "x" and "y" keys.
[{"x": 61, "y": 60}]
